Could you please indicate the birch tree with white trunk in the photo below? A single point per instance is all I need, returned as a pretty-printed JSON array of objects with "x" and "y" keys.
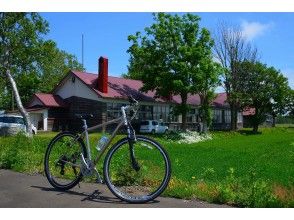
[{"x": 20, "y": 40}]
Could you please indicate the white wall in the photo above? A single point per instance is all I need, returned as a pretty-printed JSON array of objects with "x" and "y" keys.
[
  {"x": 36, "y": 102},
  {"x": 40, "y": 115},
  {"x": 77, "y": 88},
  {"x": 35, "y": 118},
  {"x": 45, "y": 120}
]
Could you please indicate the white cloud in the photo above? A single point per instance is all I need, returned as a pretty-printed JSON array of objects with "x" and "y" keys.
[{"x": 254, "y": 29}]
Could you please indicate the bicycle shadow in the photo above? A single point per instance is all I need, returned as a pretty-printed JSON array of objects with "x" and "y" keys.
[{"x": 95, "y": 196}]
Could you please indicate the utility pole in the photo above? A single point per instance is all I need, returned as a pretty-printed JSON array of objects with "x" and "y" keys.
[{"x": 83, "y": 50}]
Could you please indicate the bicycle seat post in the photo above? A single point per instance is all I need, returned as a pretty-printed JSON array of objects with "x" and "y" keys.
[{"x": 85, "y": 127}]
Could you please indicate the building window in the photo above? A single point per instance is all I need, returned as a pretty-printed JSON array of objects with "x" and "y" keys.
[
  {"x": 114, "y": 110},
  {"x": 192, "y": 115},
  {"x": 217, "y": 116},
  {"x": 145, "y": 112},
  {"x": 173, "y": 118},
  {"x": 161, "y": 113},
  {"x": 227, "y": 116},
  {"x": 240, "y": 118}
]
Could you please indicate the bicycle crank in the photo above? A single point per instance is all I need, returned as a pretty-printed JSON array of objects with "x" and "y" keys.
[{"x": 87, "y": 167}]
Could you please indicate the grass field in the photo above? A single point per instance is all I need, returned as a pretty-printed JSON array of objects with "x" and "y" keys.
[{"x": 236, "y": 168}]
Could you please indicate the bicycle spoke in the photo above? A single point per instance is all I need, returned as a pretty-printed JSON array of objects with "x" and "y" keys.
[
  {"x": 130, "y": 183},
  {"x": 63, "y": 161}
]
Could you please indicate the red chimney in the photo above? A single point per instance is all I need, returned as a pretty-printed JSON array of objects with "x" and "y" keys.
[{"x": 103, "y": 75}]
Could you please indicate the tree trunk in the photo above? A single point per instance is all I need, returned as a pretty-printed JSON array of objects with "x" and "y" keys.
[
  {"x": 184, "y": 112},
  {"x": 255, "y": 120},
  {"x": 234, "y": 116},
  {"x": 235, "y": 119},
  {"x": 12, "y": 101},
  {"x": 274, "y": 121},
  {"x": 255, "y": 128},
  {"x": 184, "y": 120},
  {"x": 20, "y": 107},
  {"x": 205, "y": 127},
  {"x": 232, "y": 109}
]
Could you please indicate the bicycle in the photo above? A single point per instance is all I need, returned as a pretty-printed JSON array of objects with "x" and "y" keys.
[{"x": 136, "y": 169}]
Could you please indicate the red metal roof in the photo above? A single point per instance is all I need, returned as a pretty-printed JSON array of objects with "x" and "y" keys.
[
  {"x": 248, "y": 111},
  {"x": 50, "y": 100},
  {"x": 120, "y": 88},
  {"x": 221, "y": 99}
]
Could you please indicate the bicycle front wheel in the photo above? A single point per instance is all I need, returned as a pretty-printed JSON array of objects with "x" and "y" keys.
[{"x": 138, "y": 172}]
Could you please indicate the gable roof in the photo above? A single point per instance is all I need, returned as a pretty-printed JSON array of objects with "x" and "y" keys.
[
  {"x": 121, "y": 88},
  {"x": 49, "y": 100}
]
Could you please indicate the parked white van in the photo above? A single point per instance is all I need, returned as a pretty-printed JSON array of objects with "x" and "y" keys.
[{"x": 152, "y": 126}]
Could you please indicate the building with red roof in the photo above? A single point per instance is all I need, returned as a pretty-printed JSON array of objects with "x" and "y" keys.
[{"x": 103, "y": 95}]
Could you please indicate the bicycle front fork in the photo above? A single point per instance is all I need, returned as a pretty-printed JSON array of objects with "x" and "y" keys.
[{"x": 132, "y": 139}]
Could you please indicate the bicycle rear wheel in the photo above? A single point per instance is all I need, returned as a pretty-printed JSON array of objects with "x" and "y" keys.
[
  {"x": 142, "y": 178},
  {"x": 63, "y": 161}
]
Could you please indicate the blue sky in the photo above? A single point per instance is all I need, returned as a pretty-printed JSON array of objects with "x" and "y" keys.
[{"x": 105, "y": 34}]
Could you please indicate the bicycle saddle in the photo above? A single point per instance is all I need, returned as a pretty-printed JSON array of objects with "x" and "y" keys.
[{"x": 84, "y": 116}]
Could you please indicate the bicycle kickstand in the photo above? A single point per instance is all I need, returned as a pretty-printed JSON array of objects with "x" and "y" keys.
[{"x": 98, "y": 177}]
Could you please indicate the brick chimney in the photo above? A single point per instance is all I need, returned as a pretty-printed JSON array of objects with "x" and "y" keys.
[{"x": 103, "y": 75}]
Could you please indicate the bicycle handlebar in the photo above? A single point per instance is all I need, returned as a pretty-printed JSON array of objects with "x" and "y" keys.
[
  {"x": 132, "y": 100},
  {"x": 133, "y": 109}
]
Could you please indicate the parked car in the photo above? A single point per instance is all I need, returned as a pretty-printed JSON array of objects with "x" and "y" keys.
[
  {"x": 152, "y": 126},
  {"x": 15, "y": 123}
]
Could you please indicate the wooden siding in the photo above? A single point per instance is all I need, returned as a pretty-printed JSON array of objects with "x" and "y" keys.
[{"x": 79, "y": 105}]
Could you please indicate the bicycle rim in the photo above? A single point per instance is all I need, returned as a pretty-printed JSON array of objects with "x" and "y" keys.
[
  {"x": 63, "y": 161},
  {"x": 137, "y": 186}
]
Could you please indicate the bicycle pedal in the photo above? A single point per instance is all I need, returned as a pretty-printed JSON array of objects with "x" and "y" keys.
[{"x": 99, "y": 181}]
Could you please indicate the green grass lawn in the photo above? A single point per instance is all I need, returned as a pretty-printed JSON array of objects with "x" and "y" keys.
[{"x": 237, "y": 168}]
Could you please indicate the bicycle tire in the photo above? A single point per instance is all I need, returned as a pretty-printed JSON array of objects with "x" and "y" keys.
[
  {"x": 142, "y": 198},
  {"x": 49, "y": 175}
]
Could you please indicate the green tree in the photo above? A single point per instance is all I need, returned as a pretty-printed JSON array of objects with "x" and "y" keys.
[
  {"x": 290, "y": 103},
  {"x": 3, "y": 94},
  {"x": 20, "y": 38},
  {"x": 50, "y": 64},
  {"x": 283, "y": 101},
  {"x": 231, "y": 48},
  {"x": 170, "y": 59},
  {"x": 263, "y": 88},
  {"x": 53, "y": 64},
  {"x": 28, "y": 84},
  {"x": 205, "y": 83}
]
